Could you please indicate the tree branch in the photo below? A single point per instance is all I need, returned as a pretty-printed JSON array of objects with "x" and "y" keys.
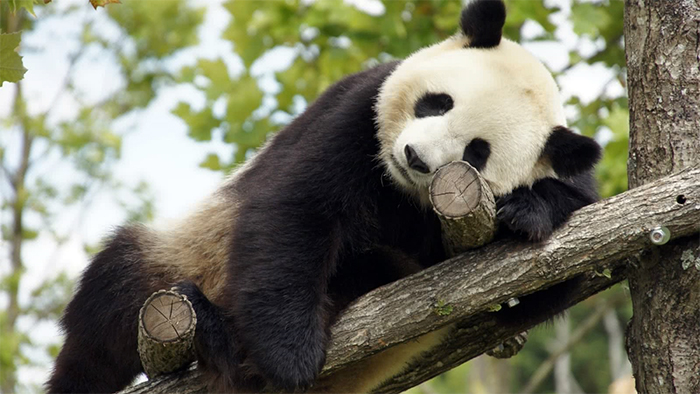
[{"x": 598, "y": 237}]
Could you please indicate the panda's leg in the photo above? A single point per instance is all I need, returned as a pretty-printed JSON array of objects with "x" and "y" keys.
[
  {"x": 279, "y": 297},
  {"x": 100, "y": 323},
  {"x": 219, "y": 358},
  {"x": 285, "y": 327}
]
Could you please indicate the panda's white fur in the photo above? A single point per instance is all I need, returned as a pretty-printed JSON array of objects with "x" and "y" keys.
[
  {"x": 309, "y": 224},
  {"x": 499, "y": 93}
]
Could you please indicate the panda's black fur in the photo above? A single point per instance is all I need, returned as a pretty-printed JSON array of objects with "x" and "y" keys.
[{"x": 320, "y": 223}]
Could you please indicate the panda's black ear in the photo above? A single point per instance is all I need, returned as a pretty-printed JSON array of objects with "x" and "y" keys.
[
  {"x": 482, "y": 22},
  {"x": 570, "y": 153}
]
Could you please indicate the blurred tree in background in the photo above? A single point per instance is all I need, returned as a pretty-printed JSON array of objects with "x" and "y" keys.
[
  {"x": 331, "y": 39},
  {"x": 302, "y": 47},
  {"x": 51, "y": 160}
]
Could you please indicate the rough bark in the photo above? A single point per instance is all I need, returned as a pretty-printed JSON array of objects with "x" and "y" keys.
[
  {"x": 663, "y": 60},
  {"x": 603, "y": 235}
]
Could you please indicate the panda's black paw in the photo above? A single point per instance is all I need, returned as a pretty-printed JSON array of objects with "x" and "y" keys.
[
  {"x": 191, "y": 291},
  {"x": 510, "y": 347},
  {"x": 525, "y": 214},
  {"x": 296, "y": 373}
]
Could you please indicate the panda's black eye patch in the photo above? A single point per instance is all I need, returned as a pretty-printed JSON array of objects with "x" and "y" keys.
[
  {"x": 477, "y": 153},
  {"x": 433, "y": 104}
]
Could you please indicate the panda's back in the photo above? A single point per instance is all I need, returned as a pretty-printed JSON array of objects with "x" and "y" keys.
[{"x": 198, "y": 246}]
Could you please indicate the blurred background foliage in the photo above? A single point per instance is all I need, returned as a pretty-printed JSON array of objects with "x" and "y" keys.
[{"x": 327, "y": 40}]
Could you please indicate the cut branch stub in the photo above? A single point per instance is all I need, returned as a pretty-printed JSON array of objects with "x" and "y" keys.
[
  {"x": 167, "y": 324},
  {"x": 465, "y": 205}
]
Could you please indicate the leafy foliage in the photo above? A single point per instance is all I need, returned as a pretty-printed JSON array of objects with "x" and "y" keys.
[
  {"x": 84, "y": 143},
  {"x": 11, "y": 68},
  {"x": 608, "y": 113},
  {"x": 17, "y": 5}
]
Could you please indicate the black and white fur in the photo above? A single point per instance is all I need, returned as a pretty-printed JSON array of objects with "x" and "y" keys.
[{"x": 334, "y": 206}]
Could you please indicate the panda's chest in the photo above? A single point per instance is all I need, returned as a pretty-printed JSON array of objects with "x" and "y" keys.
[{"x": 405, "y": 226}]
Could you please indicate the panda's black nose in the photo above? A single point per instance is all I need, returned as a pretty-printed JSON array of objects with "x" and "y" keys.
[{"x": 414, "y": 161}]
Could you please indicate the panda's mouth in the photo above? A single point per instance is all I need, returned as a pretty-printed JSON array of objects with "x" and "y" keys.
[
  {"x": 404, "y": 173},
  {"x": 402, "y": 178},
  {"x": 407, "y": 177}
]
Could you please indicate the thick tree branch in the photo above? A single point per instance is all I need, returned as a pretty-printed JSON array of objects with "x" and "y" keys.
[{"x": 597, "y": 237}]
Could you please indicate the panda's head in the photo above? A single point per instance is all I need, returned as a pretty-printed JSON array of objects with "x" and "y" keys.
[{"x": 479, "y": 98}]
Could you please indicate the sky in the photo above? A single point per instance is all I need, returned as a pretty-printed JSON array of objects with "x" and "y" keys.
[{"x": 156, "y": 148}]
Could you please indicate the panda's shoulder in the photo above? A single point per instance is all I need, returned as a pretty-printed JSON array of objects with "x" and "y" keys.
[
  {"x": 342, "y": 113},
  {"x": 337, "y": 129}
]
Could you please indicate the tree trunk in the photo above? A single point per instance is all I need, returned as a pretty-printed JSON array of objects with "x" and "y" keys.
[{"x": 663, "y": 59}]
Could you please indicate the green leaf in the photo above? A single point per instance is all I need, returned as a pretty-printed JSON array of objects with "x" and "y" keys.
[
  {"x": 27, "y": 4},
  {"x": 245, "y": 98},
  {"x": 28, "y": 234},
  {"x": 248, "y": 42},
  {"x": 158, "y": 28},
  {"x": 77, "y": 192},
  {"x": 217, "y": 73},
  {"x": 211, "y": 162},
  {"x": 53, "y": 350},
  {"x": 200, "y": 123},
  {"x": 443, "y": 309},
  {"x": 533, "y": 11},
  {"x": 11, "y": 68},
  {"x": 589, "y": 18},
  {"x": 606, "y": 273}
]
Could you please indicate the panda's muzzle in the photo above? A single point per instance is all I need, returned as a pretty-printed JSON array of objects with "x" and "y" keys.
[{"x": 414, "y": 161}]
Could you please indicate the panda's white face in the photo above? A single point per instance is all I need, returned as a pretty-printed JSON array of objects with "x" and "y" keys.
[{"x": 447, "y": 102}]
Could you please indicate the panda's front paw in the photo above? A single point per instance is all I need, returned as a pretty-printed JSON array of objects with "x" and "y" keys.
[{"x": 525, "y": 213}]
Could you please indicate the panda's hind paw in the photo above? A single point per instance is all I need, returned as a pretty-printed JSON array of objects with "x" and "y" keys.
[
  {"x": 296, "y": 376},
  {"x": 510, "y": 347},
  {"x": 190, "y": 290}
]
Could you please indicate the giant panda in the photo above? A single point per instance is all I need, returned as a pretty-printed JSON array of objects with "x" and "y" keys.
[{"x": 332, "y": 207}]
